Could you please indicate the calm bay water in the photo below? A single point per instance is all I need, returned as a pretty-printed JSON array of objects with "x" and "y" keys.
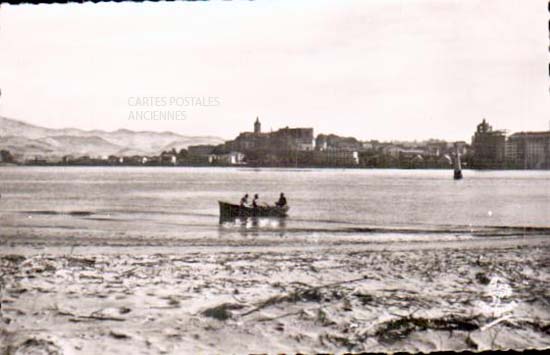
[{"x": 183, "y": 201}]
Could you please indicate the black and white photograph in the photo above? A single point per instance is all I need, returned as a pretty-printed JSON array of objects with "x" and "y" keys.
[{"x": 274, "y": 177}]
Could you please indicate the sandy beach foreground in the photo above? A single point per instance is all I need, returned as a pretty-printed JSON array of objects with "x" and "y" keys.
[{"x": 490, "y": 294}]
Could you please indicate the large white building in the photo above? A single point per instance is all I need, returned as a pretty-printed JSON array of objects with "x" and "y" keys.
[{"x": 528, "y": 150}]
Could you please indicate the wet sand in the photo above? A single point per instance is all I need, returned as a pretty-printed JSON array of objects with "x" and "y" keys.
[{"x": 269, "y": 295}]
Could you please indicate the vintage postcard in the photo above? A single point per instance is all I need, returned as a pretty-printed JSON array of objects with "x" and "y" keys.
[{"x": 274, "y": 177}]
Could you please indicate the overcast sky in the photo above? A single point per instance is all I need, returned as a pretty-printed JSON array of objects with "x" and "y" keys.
[{"x": 391, "y": 69}]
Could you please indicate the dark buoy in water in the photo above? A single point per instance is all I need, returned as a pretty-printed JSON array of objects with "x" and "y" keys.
[
  {"x": 458, "y": 168},
  {"x": 457, "y": 174}
]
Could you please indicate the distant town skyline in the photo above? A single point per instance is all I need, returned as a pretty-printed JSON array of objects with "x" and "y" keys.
[{"x": 385, "y": 70}]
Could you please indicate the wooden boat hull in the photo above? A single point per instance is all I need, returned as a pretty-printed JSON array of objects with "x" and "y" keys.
[{"x": 229, "y": 210}]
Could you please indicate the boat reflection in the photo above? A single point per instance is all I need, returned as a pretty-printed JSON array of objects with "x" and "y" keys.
[{"x": 247, "y": 226}]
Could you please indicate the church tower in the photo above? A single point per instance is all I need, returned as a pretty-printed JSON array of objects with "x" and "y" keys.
[{"x": 257, "y": 126}]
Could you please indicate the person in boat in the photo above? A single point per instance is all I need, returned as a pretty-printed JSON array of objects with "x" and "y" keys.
[
  {"x": 244, "y": 201},
  {"x": 282, "y": 201},
  {"x": 256, "y": 201}
]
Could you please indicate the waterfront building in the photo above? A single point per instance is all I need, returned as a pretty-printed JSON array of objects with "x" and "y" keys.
[
  {"x": 335, "y": 157},
  {"x": 231, "y": 158},
  {"x": 372, "y": 145},
  {"x": 300, "y": 139},
  {"x": 168, "y": 158},
  {"x": 366, "y": 146},
  {"x": 283, "y": 140},
  {"x": 528, "y": 150},
  {"x": 436, "y": 148},
  {"x": 391, "y": 150},
  {"x": 332, "y": 141},
  {"x": 488, "y": 147},
  {"x": 410, "y": 153},
  {"x": 247, "y": 141}
]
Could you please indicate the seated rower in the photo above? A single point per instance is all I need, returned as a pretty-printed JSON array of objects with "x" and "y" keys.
[
  {"x": 282, "y": 201},
  {"x": 255, "y": 201},
  {"x": 244, "y": 201}
]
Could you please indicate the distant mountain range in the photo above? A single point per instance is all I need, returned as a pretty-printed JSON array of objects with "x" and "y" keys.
[{"x": 27, "y": 140}]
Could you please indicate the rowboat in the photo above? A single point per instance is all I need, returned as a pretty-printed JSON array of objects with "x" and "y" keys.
[{"x": 229, "y": 210}]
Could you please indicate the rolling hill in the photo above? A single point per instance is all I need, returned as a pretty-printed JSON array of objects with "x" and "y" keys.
[{"x": 27, "y": 140}]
